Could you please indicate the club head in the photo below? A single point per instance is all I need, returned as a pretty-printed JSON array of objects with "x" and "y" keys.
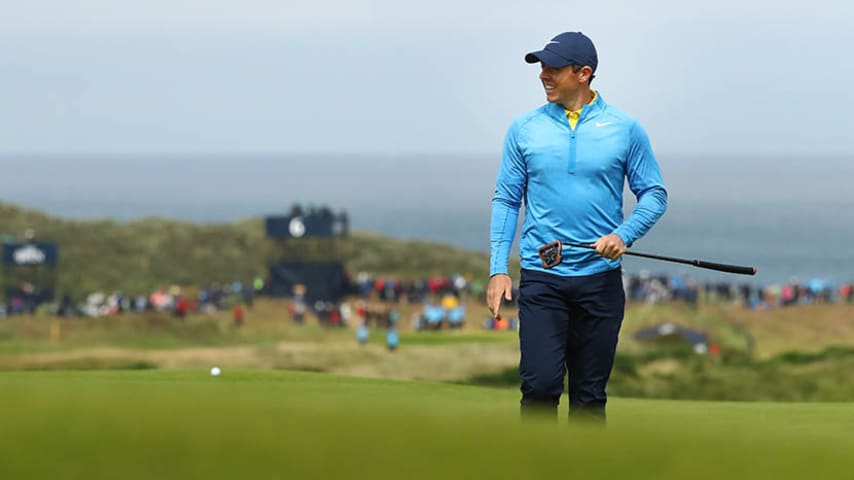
[{"x": 550, "y": 254}]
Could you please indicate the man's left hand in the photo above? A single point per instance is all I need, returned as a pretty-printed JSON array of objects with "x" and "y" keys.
[{"x": 610, "y": 246}]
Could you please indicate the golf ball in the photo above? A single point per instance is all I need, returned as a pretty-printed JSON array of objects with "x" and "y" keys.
[{"x": 215, "y": 371}]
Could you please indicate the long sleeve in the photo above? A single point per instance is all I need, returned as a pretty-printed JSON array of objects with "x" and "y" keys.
[
  {"x": 509, "y": 192},
  {"x": 645, "y": 182}
]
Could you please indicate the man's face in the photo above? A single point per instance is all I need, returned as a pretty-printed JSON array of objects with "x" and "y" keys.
[{"x": 562, "y": 84}]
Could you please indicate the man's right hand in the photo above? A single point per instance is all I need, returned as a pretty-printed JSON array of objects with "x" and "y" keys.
[{"x": 500, "y": 285}]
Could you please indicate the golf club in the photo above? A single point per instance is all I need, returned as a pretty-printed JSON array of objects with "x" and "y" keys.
[{"x": 550, "y": 255}]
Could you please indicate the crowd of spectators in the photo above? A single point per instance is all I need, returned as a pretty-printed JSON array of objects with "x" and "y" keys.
[
  {"x": 648, "y": 288},
  {"x": 179, "y": 301},
  {"x": 391, "y": 289},
  {"x": 176, "y": 300},
  {"x": 442, "y": 298}
]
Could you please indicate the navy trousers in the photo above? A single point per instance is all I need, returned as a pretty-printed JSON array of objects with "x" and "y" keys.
[{"x": 568, "y": 324}]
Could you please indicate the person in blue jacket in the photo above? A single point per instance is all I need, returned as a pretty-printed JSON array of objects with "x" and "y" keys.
[{"x": 568, "y": 161}]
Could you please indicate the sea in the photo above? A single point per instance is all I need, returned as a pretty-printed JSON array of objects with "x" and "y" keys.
[{"x": 790, "y": 216}]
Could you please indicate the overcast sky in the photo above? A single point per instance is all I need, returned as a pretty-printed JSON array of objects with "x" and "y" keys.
[{"x": 392, "y": 77}]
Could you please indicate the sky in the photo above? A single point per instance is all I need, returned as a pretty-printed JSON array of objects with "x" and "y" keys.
[
  {"x": 215, "y": 110},
  {"x": 386, "y": 77}
]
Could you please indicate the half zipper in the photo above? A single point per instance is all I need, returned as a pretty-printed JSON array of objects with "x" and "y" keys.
[
  {"x": 573, "y": 139},
  {"x": 572, "y": 143}
]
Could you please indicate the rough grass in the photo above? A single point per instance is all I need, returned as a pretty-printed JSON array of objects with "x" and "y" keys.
[
  {"x": 821, "y": 369},
  {"x": 808, "y": 328}
]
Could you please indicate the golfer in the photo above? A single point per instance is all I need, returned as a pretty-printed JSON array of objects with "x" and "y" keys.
[{"x": 567, "y": 160}]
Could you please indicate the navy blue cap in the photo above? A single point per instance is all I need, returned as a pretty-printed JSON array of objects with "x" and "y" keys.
[{"x": 568, "y": 48}]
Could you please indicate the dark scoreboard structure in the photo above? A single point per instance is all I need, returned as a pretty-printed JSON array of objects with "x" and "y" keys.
[
  {"x": 308, "y": 254},
  {"x": 323, "y": 280},
  {"x": 29, "y": 271},
  {"x": 30, "y": 254},
  {"x": 310, "y": 225}
]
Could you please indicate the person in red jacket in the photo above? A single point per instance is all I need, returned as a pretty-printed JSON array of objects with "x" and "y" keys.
[{"x": 238, "y": 315}]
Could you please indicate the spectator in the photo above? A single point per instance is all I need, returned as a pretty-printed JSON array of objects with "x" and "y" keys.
[
  {"x": 238, "y": 315},
  {"x": 456, "y": 317}
]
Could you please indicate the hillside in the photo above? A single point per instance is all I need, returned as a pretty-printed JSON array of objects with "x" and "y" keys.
[{"x": 142, "y": 255}]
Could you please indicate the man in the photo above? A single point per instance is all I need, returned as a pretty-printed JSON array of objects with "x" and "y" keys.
[{"x": 568, "y": 160}]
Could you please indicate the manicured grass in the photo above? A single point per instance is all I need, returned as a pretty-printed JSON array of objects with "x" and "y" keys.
[{"x": 279, "y": 424}]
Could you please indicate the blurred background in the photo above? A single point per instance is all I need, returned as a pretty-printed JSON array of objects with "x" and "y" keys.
[
  {"x": 146, "y": 147},
  {"x": 216, "y": 111}
]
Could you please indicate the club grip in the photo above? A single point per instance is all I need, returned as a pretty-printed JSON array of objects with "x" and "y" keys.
[{"x": 721, "y": 267}]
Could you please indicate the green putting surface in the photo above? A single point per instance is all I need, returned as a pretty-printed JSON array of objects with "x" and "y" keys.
[{"x": 280, "y": 424}]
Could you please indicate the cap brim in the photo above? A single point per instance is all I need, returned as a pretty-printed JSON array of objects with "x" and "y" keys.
[{"x": 548, "y": 58}]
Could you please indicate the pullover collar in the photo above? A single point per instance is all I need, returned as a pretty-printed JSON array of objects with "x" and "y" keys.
[{"x": 558, "y": 112}]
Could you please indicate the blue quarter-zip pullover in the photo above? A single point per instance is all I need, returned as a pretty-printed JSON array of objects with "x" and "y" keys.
[{"x": 571, "y": 182}]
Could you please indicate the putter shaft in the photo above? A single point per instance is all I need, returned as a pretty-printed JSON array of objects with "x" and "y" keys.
[{"x": 721, "y": 267}]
